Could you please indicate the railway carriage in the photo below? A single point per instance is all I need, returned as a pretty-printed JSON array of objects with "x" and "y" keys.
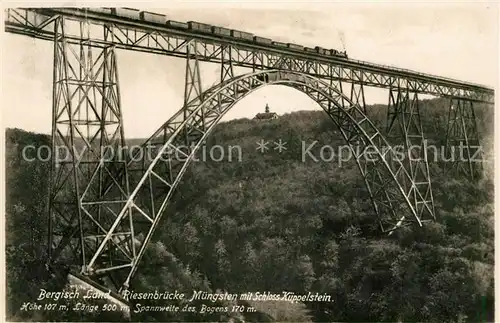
[
  {"x": 295, "y": 47},
  {"x": 128, "y": 13},
  {"x": 279, "y": 44},
  {"x": 242, "y": 35},
  {"x": 221, "y": 31},
  {"x": 108, "y": 11},
  {"x": 153, "y": 17},
  {"x": 177, "y": 24},
  {"x": 262, "y": 40},
  {"x": 201, "y": 27}
]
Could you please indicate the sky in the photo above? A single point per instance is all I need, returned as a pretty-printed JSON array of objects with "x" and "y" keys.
[{"x": 447, "y": 39}]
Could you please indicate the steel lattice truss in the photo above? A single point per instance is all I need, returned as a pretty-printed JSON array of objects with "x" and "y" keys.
[
  {"x": 462, "y": 140},
  {"x": 104, "y": 207},
  {"x": 87, "y": 121}
]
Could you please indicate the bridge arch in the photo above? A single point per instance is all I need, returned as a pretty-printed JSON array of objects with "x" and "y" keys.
[{"x": 385, "y": 176}]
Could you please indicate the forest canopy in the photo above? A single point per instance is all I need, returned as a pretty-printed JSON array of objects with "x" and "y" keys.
[{"x": 275, "y": 223}]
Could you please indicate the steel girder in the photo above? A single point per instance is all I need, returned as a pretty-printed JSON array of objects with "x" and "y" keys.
[
  {"x": 35, "y": 22},
  {"x": 463, "y": 149},
  {"x": 153, "y": 189},
  {"x": 87, "y": 123}
]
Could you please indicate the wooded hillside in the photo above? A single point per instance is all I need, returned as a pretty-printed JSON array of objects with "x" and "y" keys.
[{"x": 273, "y": 222}]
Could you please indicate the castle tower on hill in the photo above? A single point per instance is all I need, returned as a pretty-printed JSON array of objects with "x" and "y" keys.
[{"x": 267, "y": 115}]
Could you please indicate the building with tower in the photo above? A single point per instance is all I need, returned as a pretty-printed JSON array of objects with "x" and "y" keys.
[{"x": 266, "y": 115}]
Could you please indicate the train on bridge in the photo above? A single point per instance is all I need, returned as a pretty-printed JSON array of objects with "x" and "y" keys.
[{"x": 155, "y": 18}]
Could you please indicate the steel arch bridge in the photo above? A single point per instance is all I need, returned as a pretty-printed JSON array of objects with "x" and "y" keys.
[{"x": 104, "y": 207}]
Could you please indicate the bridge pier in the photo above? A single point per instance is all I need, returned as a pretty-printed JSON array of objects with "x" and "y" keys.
[
  {"x": 463, "y": 148},
  {"x": 87, "y": 124},
  {"x": 404, "y": 131}
]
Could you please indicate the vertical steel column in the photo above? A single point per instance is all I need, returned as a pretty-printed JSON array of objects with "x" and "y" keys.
[
  {"x": 462, "y": 140},
  {"x": 85, "y": 190},
  {"x": 404, "y": 132},
  {"x": 254, "y": 61},
  {"x": 334, "y": 84},
  {"x": 358, "y": 94},
  {"x": 226, "y": 69},
  {"x": 192, "y": 84}
]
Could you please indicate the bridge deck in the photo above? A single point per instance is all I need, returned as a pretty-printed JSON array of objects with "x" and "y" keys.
[{"x": 159, "y": 38}]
